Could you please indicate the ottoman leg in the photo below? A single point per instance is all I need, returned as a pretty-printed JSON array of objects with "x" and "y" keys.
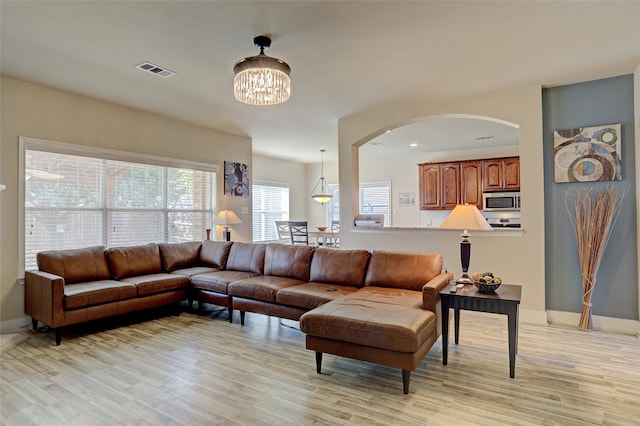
[
  {"x": 318, "y": 362},
  {"x": 406, "y": 376},
  {"x": 241, "y": 317}
]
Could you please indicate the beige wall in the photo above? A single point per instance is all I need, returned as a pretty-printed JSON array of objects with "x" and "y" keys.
[
  {"x": 39, "y": 112},
  {"x": 517, "y": 259},
  {"x": 282, "y": 171}
]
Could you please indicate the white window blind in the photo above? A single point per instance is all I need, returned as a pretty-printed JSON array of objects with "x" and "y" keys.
[
  {"x": 73, "y": 201},
  {"x": 374, "y": 198},
  {"x": 270, "y": 203}
]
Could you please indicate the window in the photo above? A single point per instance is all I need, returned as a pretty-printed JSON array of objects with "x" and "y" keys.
[
  {"x": 270, "y": 203},
  {"x": 374, "y": 198},
  {"x": 73, "y": 201}
]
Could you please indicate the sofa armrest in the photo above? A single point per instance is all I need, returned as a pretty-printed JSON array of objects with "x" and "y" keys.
[
  {"x": 44, "y": 297},
  {"x": 430, "y": 297}
]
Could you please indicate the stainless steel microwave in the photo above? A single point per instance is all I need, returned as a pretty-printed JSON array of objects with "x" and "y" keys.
[{"x": 501, "y": 201}]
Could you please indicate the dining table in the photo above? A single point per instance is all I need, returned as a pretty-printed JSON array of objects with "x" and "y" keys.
[{"x": 324, "y": 237}]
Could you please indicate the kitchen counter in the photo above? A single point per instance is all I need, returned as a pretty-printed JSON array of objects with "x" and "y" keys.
[{"x": 495, "y": 232}]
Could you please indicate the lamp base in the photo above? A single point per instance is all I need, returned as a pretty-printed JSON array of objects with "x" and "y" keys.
[
  {"x": 464, "y": 279},
  {"x": 226, "y": 235}
]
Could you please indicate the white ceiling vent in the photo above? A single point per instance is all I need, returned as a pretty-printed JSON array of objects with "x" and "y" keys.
[{"x": 154, "y": 69}]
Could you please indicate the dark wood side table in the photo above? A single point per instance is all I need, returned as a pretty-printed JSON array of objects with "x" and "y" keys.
[{"x": 505, "y": 300}]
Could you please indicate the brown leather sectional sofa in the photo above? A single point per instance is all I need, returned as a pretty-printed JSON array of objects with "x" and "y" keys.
[{"x": 378, "y": 306}]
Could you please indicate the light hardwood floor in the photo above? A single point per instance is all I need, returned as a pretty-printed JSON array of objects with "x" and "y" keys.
[{"x": 201, "y": 370}]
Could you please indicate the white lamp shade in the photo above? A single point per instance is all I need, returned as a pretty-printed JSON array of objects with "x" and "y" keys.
[
  {"x": 226, "y": 218},
  {"x": 466, "y": 217}
]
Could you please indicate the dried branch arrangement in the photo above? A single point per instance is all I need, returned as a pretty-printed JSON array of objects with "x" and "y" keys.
[{"x": 593, "y": 215}]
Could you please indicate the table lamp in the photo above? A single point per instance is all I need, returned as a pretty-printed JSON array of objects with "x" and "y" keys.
[
  {"x": 466, "y": 217},
  {"x": 224, "y": 219}
]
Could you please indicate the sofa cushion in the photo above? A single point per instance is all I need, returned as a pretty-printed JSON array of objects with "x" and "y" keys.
[
  {"x": 135, "y": 260},
  {"x": 311, "y": 295},
  {"x": 347, "y": 267},
  {"x": 246, "y": 257},
  {"x": 402, "y": 270},
  {"x": 75, "y": 265},
  {"x": 288, "y": 261},
  {"x": 374, "y": 316},
  {"x": 179, "y": 255},
  {"x": 215, "y": 253},
  {"x": 90, "y": 293},
  {"x": 218, "y": 281},
  {"x": 262, "y": 288},
  {"x": 194, "y": 270},
  {"x": 157, "y": 283}
]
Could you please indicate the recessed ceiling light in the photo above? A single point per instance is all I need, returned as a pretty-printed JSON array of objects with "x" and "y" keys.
[
  {"x": 388, "y": 131},
  {"x": 413, "y": 145}
]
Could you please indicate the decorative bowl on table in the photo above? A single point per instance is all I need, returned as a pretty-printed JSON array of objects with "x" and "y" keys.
[
  {"x": 486, "y": 288},
  {"x": 485, "y": 282},
  {"x": 322, "y": 228}
]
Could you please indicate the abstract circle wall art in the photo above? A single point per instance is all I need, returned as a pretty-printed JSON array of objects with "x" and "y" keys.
[{"x": 588, "y": 154}]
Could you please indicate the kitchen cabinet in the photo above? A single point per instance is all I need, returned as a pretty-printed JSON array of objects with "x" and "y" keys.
[
  {"x": 430, "y": 186},
  {"x": 450, "y": 176},
  {"x": 439, "y": 186},
  {"x": 500, "y": 174},
  {"x": 471, "y": 183},
  {"x": 444, "y": 185}
]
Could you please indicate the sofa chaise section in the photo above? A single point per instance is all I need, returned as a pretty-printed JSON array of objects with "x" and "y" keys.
[{"x": 393, "y": 320}]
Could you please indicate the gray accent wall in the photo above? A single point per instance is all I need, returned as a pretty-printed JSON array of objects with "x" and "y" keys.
[{"x": 607, "y": 101}]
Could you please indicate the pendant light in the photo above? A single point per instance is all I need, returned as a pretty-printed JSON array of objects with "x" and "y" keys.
[
  {"x": 261, "y": 79},
  {"x": 321, "y": 192}
]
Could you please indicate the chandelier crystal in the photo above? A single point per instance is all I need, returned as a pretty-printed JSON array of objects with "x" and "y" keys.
[
  {"x": 261, "y": 79},
  {"x": 321, "y": 192}
]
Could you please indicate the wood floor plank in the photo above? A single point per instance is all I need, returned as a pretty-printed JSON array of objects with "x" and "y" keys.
[{"x": 202, "y": 370}]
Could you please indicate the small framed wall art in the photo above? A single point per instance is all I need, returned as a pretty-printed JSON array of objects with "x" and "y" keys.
[
  {"x": 236, "y": 179},
  {"x": 407, "y": 198},
  {"x": 588, "y": 154}
]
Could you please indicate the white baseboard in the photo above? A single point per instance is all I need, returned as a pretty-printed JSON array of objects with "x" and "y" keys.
[
  {"x": 618, "y": 325},
  {"x": 15, "y": 326},
  {"x": 529, "y": 316}
]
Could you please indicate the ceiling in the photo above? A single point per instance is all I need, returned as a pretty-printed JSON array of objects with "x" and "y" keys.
[{"x": 345, "y": 56}]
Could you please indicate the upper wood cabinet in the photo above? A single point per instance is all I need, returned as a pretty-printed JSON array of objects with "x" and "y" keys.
[
  {"x": 430, "y": 186},
  {"x": 439, "y": 186},
  {"x": 444, "y": 185},
  {"x": 512, "y": 173},
  {"x": 450, "y": 182},
  {"x": 471, "y": 183},
  {"x": 501, "y": 174}
]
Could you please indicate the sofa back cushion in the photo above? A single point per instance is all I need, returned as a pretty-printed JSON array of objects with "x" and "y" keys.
[
  {"x": 75, "y": 265},
  {"x": 135, "y": 260},
  {"x": 246, "y": 257},
  {"x": 410, "y": 271},
  {"x": 179, "y": 255},
  {"x": 288, "y": 261},
  {"x": 347, "y": 267},
  {"x": 215, "y": 253}
]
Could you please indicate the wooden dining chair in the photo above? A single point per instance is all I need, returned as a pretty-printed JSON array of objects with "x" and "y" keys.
[
  {"x": 299, "y": 232},
  {"x": 283, "y": 231},
  {"x": 334, "y": 241}
]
